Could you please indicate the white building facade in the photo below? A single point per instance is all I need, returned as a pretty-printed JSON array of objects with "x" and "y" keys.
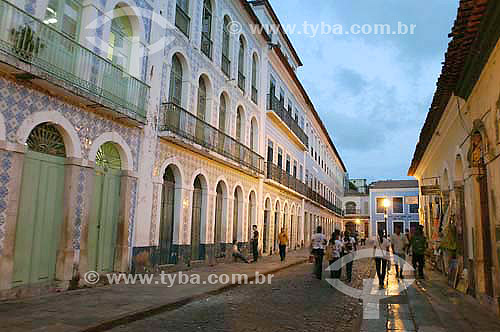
[{"x": 142, "y": 156}]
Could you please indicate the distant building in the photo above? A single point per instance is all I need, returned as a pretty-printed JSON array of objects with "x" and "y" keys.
[
  {"x": 357, "y": 207},
  {"x": 402, "y": 207}
]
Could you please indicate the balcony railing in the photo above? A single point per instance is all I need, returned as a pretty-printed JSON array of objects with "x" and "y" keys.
[
  {"x": 275, "y": 173},
  {"x": 183, "y": 123},
  {"x": 182, "y": 20},
  {"x": 206, "y": 45},
  {"x": 275, "y": 105},
  {"x": 226, "y": 65},
  {"x": 30, "y": 40},
  {"x": 241, "y": 81}
]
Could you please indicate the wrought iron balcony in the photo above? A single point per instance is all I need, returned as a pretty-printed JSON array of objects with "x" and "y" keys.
[
  {"x": 276, "y": 173},
  {"x": 274, "y": 104},
  {"x": 206, "y": 45},
  {"x": 58, "y": 56},
  {"x": 182, "y": 20},
  {"x": 186, "y": 125}
]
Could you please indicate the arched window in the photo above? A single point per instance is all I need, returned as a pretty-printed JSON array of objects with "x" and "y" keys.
[
  {"x": 241, "y": 65},
  {"x": 255, "y": 92},
  {"x": 182, "y": 18},
  {"x": 239, "y": 124},
  {"x": 254, "y": 135},
  {"x": 120, "y": 40},
  {"x": 226, "y": 40},
  {"x": 206, "y": 29},
  {"x": 202, "y": 99},
  {"x": 222, "y": 114},
  {"x": 350, "y": 208},
  {"x": 175, "y": 94}
]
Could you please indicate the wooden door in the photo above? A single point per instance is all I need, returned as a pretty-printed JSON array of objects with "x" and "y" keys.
[{"x": 40, "y": 217}]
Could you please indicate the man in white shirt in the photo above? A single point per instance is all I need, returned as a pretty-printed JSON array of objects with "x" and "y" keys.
[
  {"x": 399, "y": 243},
  {"x": 318, "y": 243}
]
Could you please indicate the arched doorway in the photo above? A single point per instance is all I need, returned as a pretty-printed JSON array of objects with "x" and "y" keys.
[
  {"x": 39, "y": 221},
  {"x": 198, "y": 214},
  {"x": 169, "y": 200},
  {"x": 252, "y": 214},
  {"x": 220, "y": 218},
  {"x": 265, "y": 230},
  {"x": 291, "y": 243},
  {"x": 237, "y": 212},
  {"x": 276, "y": 225},
  {"x": 105, "y": 206}
]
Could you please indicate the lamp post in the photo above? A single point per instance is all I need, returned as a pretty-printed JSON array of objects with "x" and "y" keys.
[{"x": 386, "y": 204}]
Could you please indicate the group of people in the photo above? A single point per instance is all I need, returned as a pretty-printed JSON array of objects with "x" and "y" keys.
[
  {"x": 343, "y": 244},
  {"x": 254, "y": 243},
  {"x": 401, "y": 245},
  {"x": 338, "y": 246}
]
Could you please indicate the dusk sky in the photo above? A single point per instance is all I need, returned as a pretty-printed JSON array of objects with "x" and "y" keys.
[{"x": 372, "y": 91}]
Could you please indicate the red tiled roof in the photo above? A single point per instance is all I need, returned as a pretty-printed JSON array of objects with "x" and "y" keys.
[{"x": 464, "y": 33}]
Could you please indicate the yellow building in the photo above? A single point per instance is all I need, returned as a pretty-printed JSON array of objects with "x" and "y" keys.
[{"x": 456, "y": 160}]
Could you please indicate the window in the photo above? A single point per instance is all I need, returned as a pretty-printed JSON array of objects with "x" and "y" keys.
[
  {"x": 413, "y": 208},
  {"x": 202, "y": 99},
  {"x": 239, "y": 124},
  {"x": 222, "y": 114},
  {"x": 270, "y": 151},
  {"x": 206, "y": 29},
  {"x": 241, "y": 65},
  {"x": 182, "y": 19},
  {"x": 290, "y": 107},
  {"x": 64, "y": 15},
  {"x": 380, "y": 205},
  {"x": 226, "y": 37},
  {"x": 175, "y": 94},
  {"x": 272, "y": 87},
  {"x": 412, "y": 202},
  {"x": 288, "y": 164},
  {"x": 350, "y": 208},
  {"x": 397, "y": 204},
  {"x": 295, "y": 168},
  {"x": 120, "y": 40},
  {"x": 301, "y": 172},
  {"x": 255, "y": 92},
  {"x": 280, "y": 158}
]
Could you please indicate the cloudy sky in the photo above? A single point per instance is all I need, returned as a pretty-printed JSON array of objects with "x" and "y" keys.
[{"x": 372, "y": 91}]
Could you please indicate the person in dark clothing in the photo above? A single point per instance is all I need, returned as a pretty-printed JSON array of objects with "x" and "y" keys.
[
  {"x": 418, "y": 244},
  {"x": 255, "y": 243}
]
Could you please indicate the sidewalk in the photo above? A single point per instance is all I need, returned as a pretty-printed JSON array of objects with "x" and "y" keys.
[
  {"x": 99, "y": 308},
  {"x": 429, "y": 306}
]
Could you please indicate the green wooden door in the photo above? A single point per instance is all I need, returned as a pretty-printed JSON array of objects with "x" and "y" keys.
[
  {"x": 104, "y": 220},
  {"x": 196, "y": 222},
  {"x": 39, "y": 220}
]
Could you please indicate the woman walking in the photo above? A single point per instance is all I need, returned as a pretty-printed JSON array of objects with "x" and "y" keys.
[
  {"x": 333, "y": 252},
  {"x": 381, "y": 254}
]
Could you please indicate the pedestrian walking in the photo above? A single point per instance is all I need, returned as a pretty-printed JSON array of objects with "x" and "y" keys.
[
  {"x": 349, "y": 245},
  {"x": 380, "y": 252},
  {"x": 282, "y": 243},
  {"x": 408, "y": 237},
  {"x": 418, "y": 245},
  {"x": 318, "y": 243},
  {"x": 237, "y": 254},
  {"x": 255, "y": 244},
  {"x": 333, "y": 251},
  {"x": 399, "y": 244}
]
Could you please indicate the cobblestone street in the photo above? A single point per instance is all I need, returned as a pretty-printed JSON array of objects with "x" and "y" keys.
[{"x": 295, "y": 301}]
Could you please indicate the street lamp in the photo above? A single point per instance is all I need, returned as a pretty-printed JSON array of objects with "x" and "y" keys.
[{"x": 386, "y": 203}]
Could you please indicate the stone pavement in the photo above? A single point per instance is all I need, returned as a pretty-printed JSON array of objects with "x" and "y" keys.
[
  {"x": 100, "y": 308},
  {"x": 428, "y": 306}
]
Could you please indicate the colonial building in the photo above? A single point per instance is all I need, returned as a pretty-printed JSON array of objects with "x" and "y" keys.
[
  {"x": 393, "y": 203},
  {"x": 357, "y": 207},
  {"x": 456, "y": 159},
  {"x": 140, "y": 133}
]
